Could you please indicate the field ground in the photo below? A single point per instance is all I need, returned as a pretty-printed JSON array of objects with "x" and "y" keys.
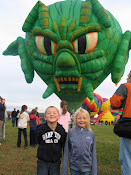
[{"x": 20, "y": 161}]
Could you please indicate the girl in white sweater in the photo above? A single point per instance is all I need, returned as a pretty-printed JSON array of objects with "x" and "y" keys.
[{"x": 22, "y": 125}]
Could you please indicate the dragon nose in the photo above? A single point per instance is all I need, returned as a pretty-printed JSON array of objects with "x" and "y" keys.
[{"x": 65, "y": 60}]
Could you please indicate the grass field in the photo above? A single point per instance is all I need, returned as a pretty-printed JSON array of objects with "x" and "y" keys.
[{"x": 20, "y": 161}]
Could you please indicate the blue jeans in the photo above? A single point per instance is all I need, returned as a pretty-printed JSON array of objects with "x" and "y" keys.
[
  {"x": 125, "y": 156},
  {"x": 48, "y": 168},
  {"x": 73, "y": 172}
]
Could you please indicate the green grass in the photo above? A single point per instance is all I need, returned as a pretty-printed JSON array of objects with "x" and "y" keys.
[{"x": 20, "y": 161}]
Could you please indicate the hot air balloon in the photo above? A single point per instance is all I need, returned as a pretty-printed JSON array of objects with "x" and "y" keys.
[
  {"x": 93, "y": 106},
  {"x": 105, "y": 117}
]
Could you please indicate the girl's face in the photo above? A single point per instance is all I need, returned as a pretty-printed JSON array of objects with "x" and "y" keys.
[
  {"x": 64, "y": 109},
  {"x": 81, "y": 120}
]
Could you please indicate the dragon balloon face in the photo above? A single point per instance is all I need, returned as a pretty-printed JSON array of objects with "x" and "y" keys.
[{"x": 73, "y": 46}]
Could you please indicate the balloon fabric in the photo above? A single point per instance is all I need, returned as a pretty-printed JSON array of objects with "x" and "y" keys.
[
  {"x": 93, "y": 106},
  {"x": 73, "y": 45}
]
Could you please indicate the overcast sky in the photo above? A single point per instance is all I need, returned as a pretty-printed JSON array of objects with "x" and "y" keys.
[{"x": 13, "y": 86}]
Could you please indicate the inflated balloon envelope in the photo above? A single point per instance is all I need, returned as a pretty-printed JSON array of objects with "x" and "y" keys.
[{"x": 73, "y": 46}]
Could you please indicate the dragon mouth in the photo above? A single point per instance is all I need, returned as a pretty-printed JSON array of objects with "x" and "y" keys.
[{"x": 68, "y": 81}]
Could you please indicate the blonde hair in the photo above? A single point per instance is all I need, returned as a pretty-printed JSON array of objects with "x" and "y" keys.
[{"x": 86, "y": 114}]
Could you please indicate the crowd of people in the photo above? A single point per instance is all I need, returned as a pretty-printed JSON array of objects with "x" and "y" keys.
[{"x": 70, "y": 135}]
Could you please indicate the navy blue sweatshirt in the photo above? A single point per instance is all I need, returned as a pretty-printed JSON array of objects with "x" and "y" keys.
[{"x": 50, "y": 142}]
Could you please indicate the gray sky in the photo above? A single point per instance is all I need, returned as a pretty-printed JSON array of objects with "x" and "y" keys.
[{"x": 13, "y": 86}]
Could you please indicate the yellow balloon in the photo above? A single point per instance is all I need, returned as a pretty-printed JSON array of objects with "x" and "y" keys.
[
  {"x": 105, "y": 105},
  {"x": 106, "y": 117}
]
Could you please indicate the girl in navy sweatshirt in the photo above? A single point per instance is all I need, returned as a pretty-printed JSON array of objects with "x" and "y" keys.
[{"x": 80, "y": 143}]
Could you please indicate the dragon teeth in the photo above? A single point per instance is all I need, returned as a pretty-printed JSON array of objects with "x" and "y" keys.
[
  {"x": 76, "y": 79},
  {"x": 57, "y": 84},
  {"x": 79, "y": 84},
  {"x": 69, "y": 78},
  {"x": 65, "y": 78}
]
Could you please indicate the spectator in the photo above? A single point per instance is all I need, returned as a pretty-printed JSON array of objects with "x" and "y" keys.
[
  {"x": 116, "y": 119},
  {"x": 37, "y": 114},
  {"x": 64, "y": 119},
  {"x": 22, "y": 125},
  {"x": 2, "y": 113},
  {"x": 17, "y": 117},
  {"x": 122, "y": 99},
  {"x": 13, "y": 115},
  {"x": 72, "y": 118},
  {"x": 34, "y": 122}
]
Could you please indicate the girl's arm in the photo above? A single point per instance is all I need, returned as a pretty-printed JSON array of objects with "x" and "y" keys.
[
  {"x": 65, "y": 157},
  {"x": 94, "y": 158}
]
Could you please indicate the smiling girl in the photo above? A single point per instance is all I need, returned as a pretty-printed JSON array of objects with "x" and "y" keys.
[{"x": 80, "y": 143}]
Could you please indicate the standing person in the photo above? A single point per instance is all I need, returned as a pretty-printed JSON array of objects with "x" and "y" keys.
[
  {"x": 2, "y": 113},
  {"x": 37, "y": 114},
  {"x": 122, "y": 99},
  {"x": 72, "y": 118},
  {"x": 64, "y": 119},
  {"x": 17, "y": 117},
  {"x": 80, "y": 143},
  {"x": 13, "y": 115},
  {"x": 22, "y": 125},
  {"x": 116, "y": 119},
  {"x": 51, "y": 139},
  {"x": 34, "y": 122}
]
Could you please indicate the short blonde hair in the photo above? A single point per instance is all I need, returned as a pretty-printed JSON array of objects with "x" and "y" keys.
[
  {"x": 51, "y": 107},
  {"x": 86, "y": 114}
]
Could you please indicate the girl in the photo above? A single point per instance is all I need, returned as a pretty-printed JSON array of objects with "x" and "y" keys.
[
  {"x": 80, "y": 143},
  {"x": 64, "y": 119},
  {"x": 22, "y": 125},
  {"x": 34, "y": 122}
]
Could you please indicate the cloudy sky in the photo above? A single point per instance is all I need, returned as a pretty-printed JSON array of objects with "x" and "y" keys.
[{"x": 13, "y": 86}]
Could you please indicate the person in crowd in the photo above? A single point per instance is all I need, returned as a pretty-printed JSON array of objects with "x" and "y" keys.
[
  {"x": 51, "y": 139},
  {"x": 34, "y": 122},
  {"x": 116, "y": 119},
  {"x": 37, "y": 114},
  {"x": 122, "y": 99},
  {"x": 80, "y": 143},
  {"x": 17, "y": 117},
  {"x": 64, "y": 119},
  {"x": 22, "y": 125},
  {"x": 2, "y": 113},
  {"x": 13, "y": 115},
  {"x": 72, "y": 118}
]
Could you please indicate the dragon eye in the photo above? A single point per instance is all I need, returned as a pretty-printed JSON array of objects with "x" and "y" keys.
[
  {"x": 85, "y": 43},
  {"x": 45, "y": 45}
]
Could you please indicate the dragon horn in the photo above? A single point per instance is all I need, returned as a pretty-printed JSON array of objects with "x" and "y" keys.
[
  {"x": 86, "y": 13},
  {"x": 50, "y": 90},
  {"x": 101, "y": 13},
  {"x": 39, "y": 11},
  {"x": 88, "y": 89}
]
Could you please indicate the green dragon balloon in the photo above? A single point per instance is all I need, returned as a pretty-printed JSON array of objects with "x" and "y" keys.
[{"x": 73, "y": 46}]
